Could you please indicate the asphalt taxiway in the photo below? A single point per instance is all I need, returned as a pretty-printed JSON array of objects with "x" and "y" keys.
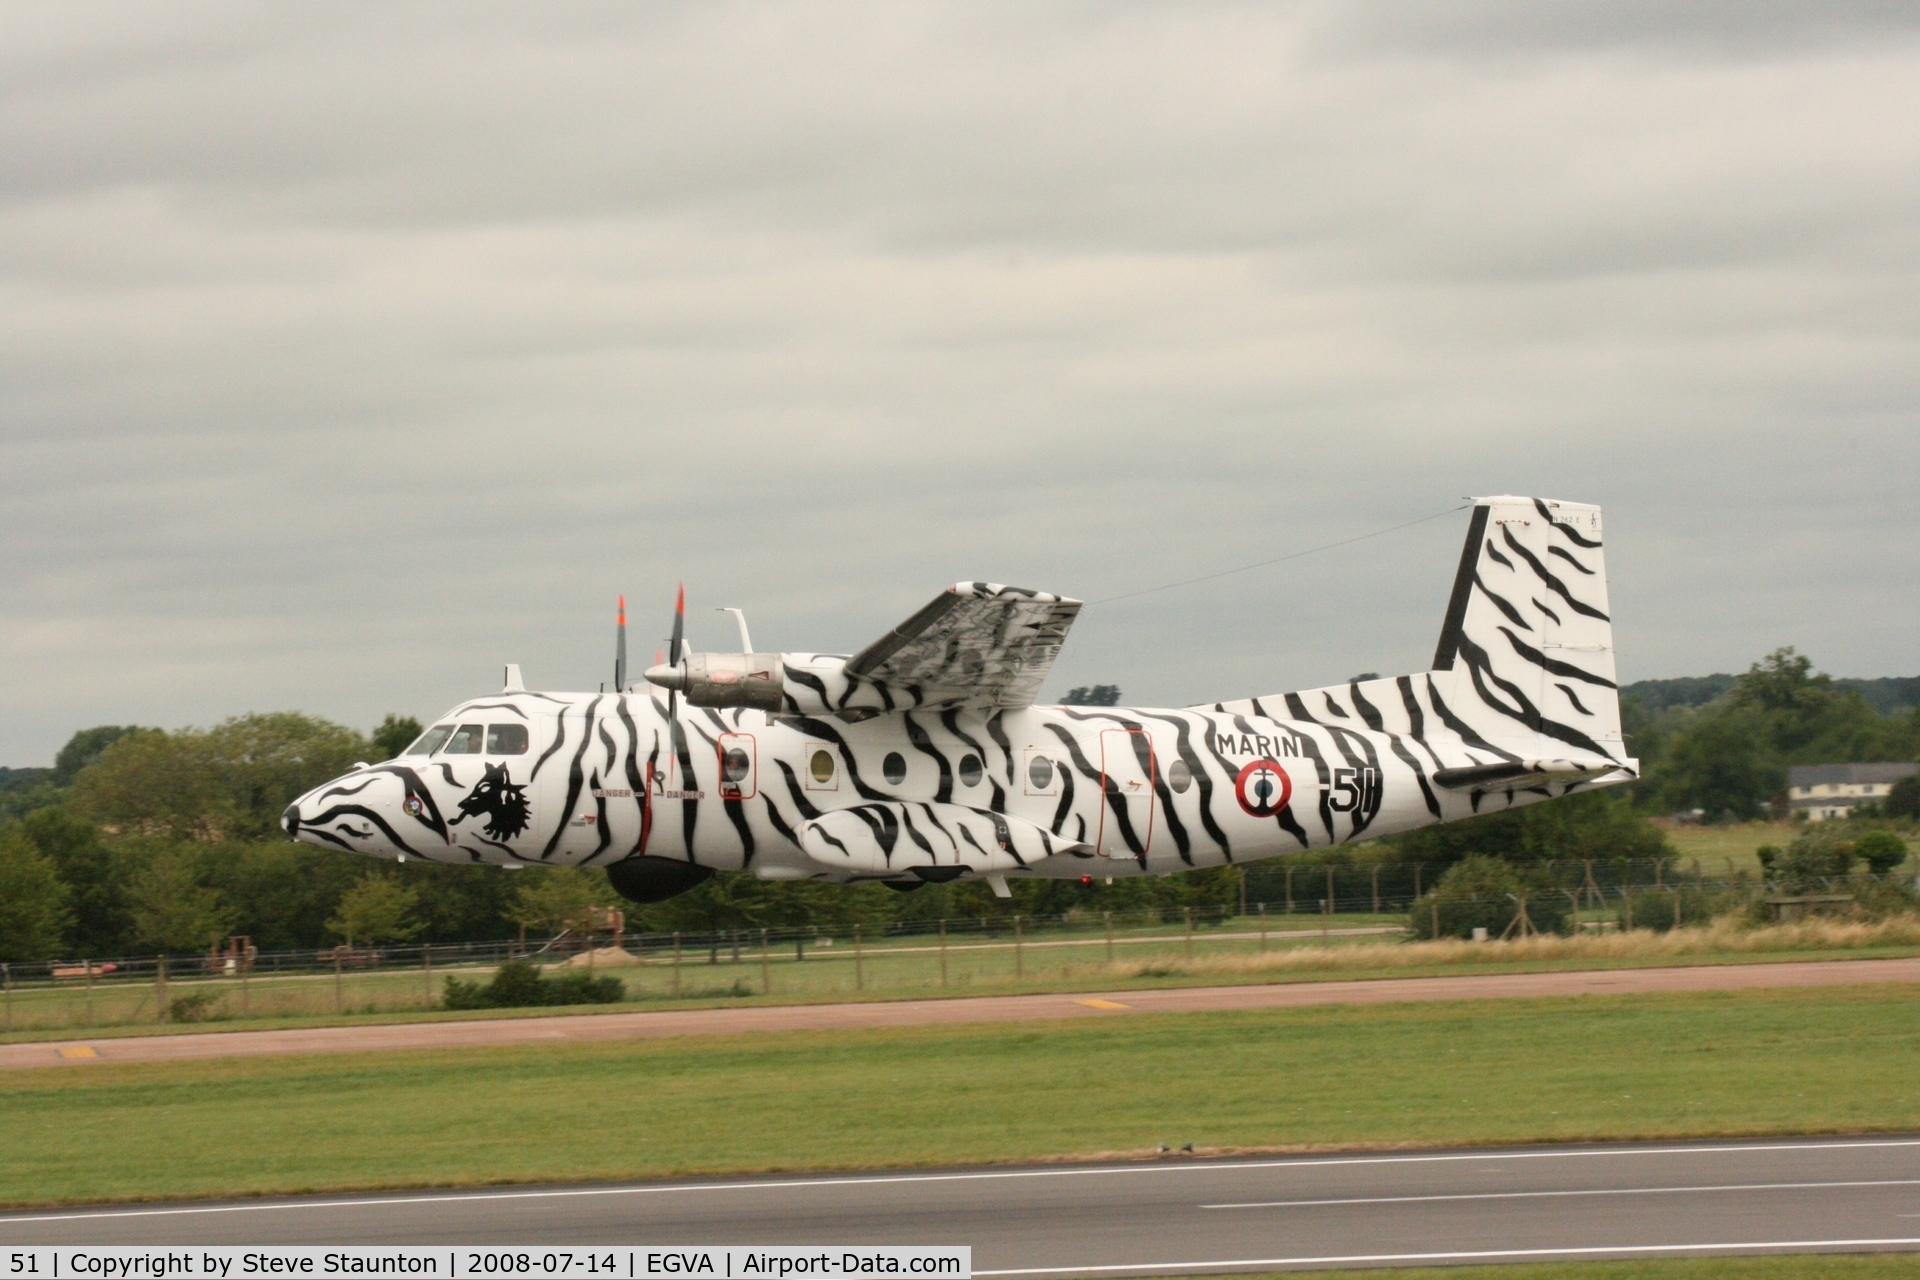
[{"x": 1172, "y": 1216}]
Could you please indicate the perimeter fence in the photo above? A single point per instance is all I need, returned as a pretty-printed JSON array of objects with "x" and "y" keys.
[{"x": 1012, "y": 951}]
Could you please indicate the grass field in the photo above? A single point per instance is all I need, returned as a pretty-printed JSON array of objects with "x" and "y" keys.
[
  {"x": 969, "y": 964},
  {"x": 913, "y": 972},
  {"x": 1787, "y": 1061},
  {"x": 1726, "y": 851},
  {"x": 1882, "y": 1266}
]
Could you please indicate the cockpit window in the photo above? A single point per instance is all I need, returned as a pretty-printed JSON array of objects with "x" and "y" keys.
[
  {"x": 506, "y": 739},
  {"x": 466, "y": 740},
  {"x": 429, "y": 742}
]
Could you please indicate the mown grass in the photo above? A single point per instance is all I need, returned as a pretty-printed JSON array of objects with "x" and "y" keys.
[
  {"x": 977, "y": 969},
  {"x": 1805, "y": 1266},
  {"x": 1729, "y": 849},
  {"x": 1784, "y": 1061}
]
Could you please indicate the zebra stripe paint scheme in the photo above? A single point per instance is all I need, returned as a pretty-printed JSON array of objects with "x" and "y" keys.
[{"x": 921, "y": 759}]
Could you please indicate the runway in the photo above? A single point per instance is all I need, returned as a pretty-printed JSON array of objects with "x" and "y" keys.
[
  {"x": 564, "y": 1028},
  {"x": 1175, "y": 1216}
]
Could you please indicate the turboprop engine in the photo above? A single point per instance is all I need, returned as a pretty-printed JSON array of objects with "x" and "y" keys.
[{"x": 725, "y": 680}]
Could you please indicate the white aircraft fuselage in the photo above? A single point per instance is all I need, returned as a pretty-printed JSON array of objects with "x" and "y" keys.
[{"x": 897, "y": 765}]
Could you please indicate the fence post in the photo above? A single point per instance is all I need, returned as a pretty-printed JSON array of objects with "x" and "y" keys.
[
  {"x": 426, "y": 968},
  {"x": 1436, "y": 915},
  {"x": 246, "y": 975},
  {"x": 1289, "y": 890},
  {"x": 1626, "y": 904},
  {"x": 1675, "y": 891},
  {"x": 736, "y": 945},
  {"x": 339, "y": 1000},
  {"x": 1188, "y": 912},
  {"x": 1107, "y": 918},
  {"x": 1329, "y": 888},
  {"x": 943, "y": 951},
  {"x": 1417, "y": 868},
  {"x": 1263, "y": 926},
  {"x": 1376, "y": 888},
  {"x": 6, "y": 981},
  {"x": 766, "y": 967},
  {"x": 1243, "y": 889},
  {"x": 859, "y": 971},
  {"x": 1019, "y": 962},
  {"x": 676, "y": 962},
  {"x": 160, "y": 989},
  {"x": 87, "y": 965},
  {"x": 1326, "y": 914}
]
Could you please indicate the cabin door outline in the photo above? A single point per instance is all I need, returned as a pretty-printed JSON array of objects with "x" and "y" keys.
[{"x": 1127, "y": 793}]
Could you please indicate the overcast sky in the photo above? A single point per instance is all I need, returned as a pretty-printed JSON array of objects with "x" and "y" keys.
[{"x": 348, "y": 351}]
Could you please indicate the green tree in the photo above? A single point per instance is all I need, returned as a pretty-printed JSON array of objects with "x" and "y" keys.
[
  {"x": 1592, "y": 825},
  {"x": 1882, "y": 851},
  {"x": 547, "y": 897},
  {"x": 150, "y": 782},
  {"x": 1486, "y": 893},
  {"x": 207, "y": 784},
  {"x": 1903, "y": 798},
  {"x": 395, "y": 734},
  {"x": 33, "y": 901},
  {"x": 1726, "y": 764},
  {"x": 85, "y": 748},
  {"x": 95, "y": 877},
  {"x": 265, "y": 761},
  {"x": 172, "y": 910},
  {"x": 378, "y": 909}
]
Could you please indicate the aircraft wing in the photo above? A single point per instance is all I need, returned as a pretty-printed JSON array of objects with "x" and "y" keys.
[{"x": 975, "y": 644}]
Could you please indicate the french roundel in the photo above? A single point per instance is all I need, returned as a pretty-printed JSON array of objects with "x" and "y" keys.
[{"x": 1263, "y": 788}]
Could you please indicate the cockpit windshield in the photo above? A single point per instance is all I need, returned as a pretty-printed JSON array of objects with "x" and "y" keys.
[
  {"x": 466, "y": 740},
  {"x": 429, "y": 742},
  {"x": 506, "y": 739}
]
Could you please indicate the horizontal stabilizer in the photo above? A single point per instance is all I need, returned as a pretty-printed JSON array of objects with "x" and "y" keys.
[{"x": 1503, "y": 774}]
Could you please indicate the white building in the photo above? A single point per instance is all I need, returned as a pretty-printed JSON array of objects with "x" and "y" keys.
[{"x": 1833, "y": 790}]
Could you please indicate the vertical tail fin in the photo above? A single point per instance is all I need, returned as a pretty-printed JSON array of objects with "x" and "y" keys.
[{"x": 1526, "y": 653}]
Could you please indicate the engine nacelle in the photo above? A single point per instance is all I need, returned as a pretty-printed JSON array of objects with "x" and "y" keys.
[{"x": 728, "y": 680}]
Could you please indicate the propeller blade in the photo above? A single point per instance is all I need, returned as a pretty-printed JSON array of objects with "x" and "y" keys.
[
  {"x": 676, "y": 657},
  {"x": 679, "y": 626},
  {"x": 620, "y": 650}
]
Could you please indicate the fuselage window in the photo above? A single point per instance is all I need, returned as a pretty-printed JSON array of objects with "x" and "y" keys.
[
  {"x": 970, "y": 771},
  {"x": 821, "y": 766},
  {"x": 1179, "y": 775},
  {"x": 506, "y": 739},
  {"x": 1040, "y": 773},
  {"x": 430, "y": 741},
  {"x": 736, "y": 764},
  {"x": 466, "y": 740},
  {"x": 894, "y": 768}
]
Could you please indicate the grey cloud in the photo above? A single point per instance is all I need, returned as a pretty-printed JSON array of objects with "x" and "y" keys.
[{"x": 350, "y": 354}]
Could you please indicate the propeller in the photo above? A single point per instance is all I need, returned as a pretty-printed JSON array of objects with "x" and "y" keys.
[
  {"x": 676, "y": 657},
  {"x": 620, "y": 650}
]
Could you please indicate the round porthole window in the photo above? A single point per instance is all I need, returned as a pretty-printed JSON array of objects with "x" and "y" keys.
[
  {"x": 821, "y": 766},
  {"x": 1040, "y": 773},
  {"x": 1179, "y": 776},
  {"x": 970, "y": 770},
  {"x": 736, "y": 764},
  {"x": 894, "y": 768}
]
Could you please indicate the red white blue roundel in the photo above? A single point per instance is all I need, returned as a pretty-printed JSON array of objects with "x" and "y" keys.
[{"x": 1263, "y": 788}]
